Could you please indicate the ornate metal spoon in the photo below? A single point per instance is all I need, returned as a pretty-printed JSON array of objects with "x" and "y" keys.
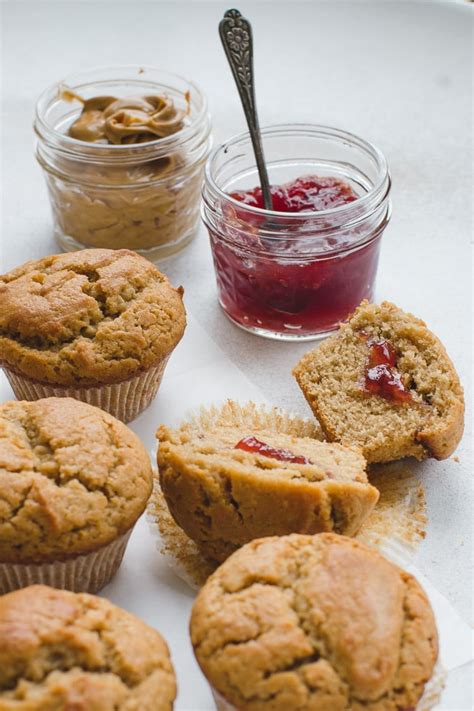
[{"x": 236, "y": 36}]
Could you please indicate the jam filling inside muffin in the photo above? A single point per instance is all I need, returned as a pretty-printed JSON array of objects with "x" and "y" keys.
[
  {"x": 252, "y": 444},
  {"x": 381, "y": 375}
]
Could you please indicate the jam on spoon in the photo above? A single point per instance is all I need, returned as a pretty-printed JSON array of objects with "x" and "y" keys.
[
  {"x": 254, "y": 445},
  {"x": 381, "y": 375}
]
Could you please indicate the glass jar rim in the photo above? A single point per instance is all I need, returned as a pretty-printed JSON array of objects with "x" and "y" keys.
[
  {"x": 378, "y": 191},
  {"x": 73, "y": 145}
]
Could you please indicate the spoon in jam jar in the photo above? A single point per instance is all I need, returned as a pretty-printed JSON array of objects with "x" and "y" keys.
[{"x": 236, "y": 35}]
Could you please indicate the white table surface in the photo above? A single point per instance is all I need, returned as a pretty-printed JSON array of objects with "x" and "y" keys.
[{"x": 397, "y": 73}]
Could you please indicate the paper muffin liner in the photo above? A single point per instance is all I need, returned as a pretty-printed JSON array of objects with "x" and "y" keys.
[
  {"x": 124, "y": 400},
  {"x": 433, "y": 689},
  {"x": 428, "y": 701},
  {"x": 88, "y": 572},
  {"x": 395, "y": 527},
  {"x": 221, "y": 703}
]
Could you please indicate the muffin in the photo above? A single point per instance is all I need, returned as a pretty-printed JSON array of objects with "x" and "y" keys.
[
  {"x": 385, "y": 383},
  {"x": 98, "y": 325},
  {"x": 229, "y": 485},
  {"x": 64, "y": 651},
  {"x": 313, "y": 622},
  {"x": 73, "y": 482}
]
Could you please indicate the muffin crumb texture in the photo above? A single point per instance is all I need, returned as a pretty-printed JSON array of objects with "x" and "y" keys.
[
  {"x": 91, "y": 317},
  {"x": 331, "y": 378},
  {"x": 64, "y": 651},
  {"x": 314, "y": 622},
  {"x": 72, "y": 479}
]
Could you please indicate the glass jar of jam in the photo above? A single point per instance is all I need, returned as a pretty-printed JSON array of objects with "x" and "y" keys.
[
  {"x": 298, "y": 270},
  {"x": 123, "y": 151}
]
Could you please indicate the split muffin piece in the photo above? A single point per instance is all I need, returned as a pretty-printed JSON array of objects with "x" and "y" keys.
[
  {"x": 384, "y": 382},
  {"x": 230, "y": 485}
]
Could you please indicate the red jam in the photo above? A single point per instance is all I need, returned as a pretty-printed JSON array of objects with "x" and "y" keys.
[
  {"x": 252, "y": 444},
  {"x": 311, "y": 193},
  {"x": 381, "y": 376},
  {"x": 304, "y": 285}
]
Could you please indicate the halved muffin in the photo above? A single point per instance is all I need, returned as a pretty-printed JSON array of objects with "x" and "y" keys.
[
  {"x": 229, "y": 485},
  {"x": 384, "y": 382}
]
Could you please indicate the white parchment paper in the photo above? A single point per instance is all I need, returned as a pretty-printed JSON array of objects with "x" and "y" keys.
[{"x": 199, "y": 374}]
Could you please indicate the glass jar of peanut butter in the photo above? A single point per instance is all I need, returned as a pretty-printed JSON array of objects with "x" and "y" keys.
[{"x": 123, "y": 150}]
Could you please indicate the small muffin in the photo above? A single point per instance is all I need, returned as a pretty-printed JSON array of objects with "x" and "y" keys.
[
  {"x": 63, "y": 651},
  {"x": 313, "y": 622},
  {"x": 98, "y": 325},
  {"x": 385, "y": 383},
  {"x": 230, "y": 485},
  {"x": 73, "y": 482}
]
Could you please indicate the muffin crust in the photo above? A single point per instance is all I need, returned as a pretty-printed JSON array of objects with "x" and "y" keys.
[
  {"x": 72, "y": 479},
  {"x": 90, "y": 317},
  {"x": 61, "y": 651},
  {"x": 314, "y": 622}
]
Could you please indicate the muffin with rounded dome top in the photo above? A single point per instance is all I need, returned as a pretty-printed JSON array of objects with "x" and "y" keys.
[
  {"x": 98, "y": 325},
  {"x": 63, "y": 651},
  {"x": 312, "y": 623},
  {"x": 73, "y": 482}
]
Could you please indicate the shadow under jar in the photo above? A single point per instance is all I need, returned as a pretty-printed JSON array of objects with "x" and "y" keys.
[
  {"x": 296, "y": 275},
  {"x": 142, "y": 196}
]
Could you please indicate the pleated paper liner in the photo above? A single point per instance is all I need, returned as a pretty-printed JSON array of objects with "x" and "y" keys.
[
  {"x": 89, "y": 572},
  {"x": 398, "y": 522},
  {"x": 124, "y": 400},
  {"x": 428, "y": 701},
  {"x": 395, "y": 527},
  {"x": 251, "y": 415}
]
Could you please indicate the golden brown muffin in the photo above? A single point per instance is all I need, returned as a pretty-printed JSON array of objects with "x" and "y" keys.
[
  {"x": 223, "y": 496},
  {"x": 73, "y": 482},
  {"x": 320, "y": 623},
  {"x": 76, "y": 323},
  {"x": 427, "y": 420},
  {"x": 62, "y": 651}
]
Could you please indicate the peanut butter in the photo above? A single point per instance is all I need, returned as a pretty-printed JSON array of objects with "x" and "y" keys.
[
  {"x": 106, "y": 119},
  {"x": 147, "y": 198}
]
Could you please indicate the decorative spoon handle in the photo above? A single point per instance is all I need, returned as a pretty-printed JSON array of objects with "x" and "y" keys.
[{"x": 236, "y": 36}]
